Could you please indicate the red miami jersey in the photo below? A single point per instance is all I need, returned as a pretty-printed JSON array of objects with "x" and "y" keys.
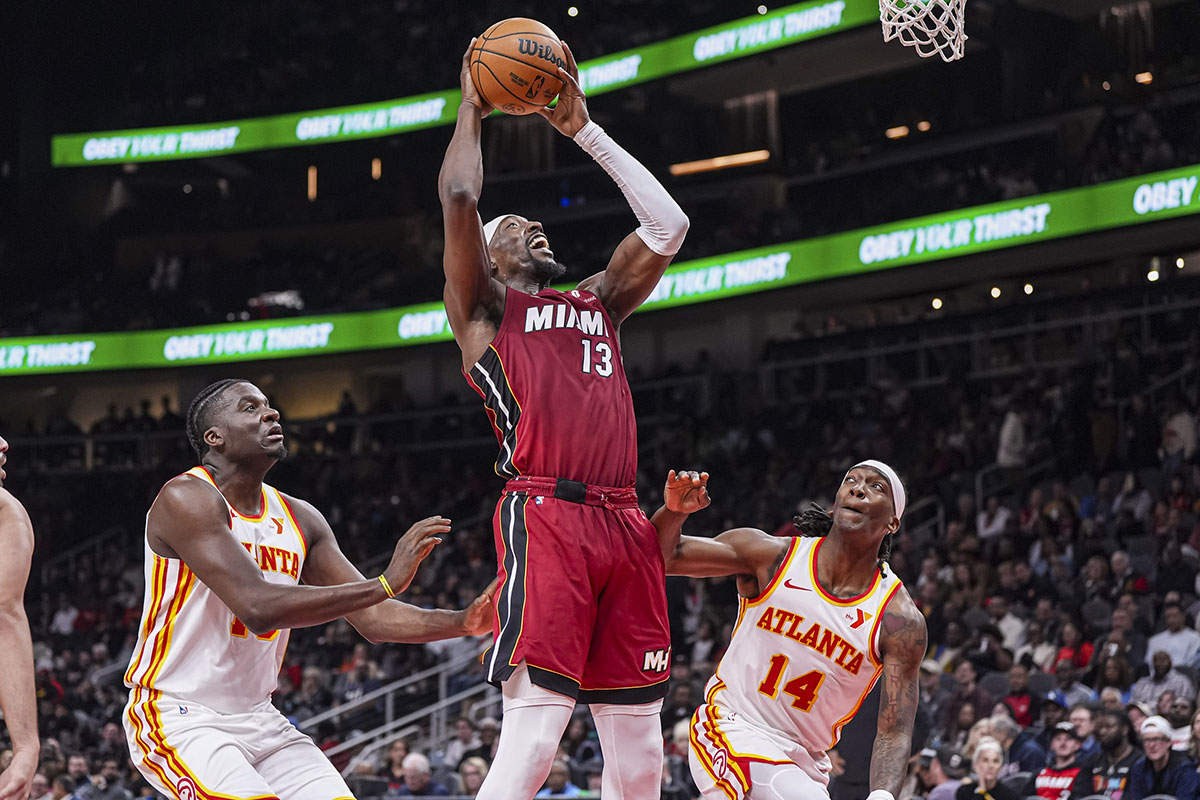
[
  {"x": 555, "y": 390},
  {"x": 1058, "y": 783}
]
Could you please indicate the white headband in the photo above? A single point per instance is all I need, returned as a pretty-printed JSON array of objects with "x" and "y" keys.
[
  {"x": 489, "y": 230},
  {"x": 899, "y": 500}
]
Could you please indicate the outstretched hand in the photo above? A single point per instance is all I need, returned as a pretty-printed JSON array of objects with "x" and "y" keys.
[
  {"x": 686, "y": 491},
  {"x": 470, "y": 94},
  {"x": 16, "y": 780},
  {"x": 570, "y": 114},
  {"x": 411, "y": 550},
  {"x": 479, "y": 616}
]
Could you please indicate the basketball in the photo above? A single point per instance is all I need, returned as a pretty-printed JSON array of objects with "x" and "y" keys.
[{"x": 514, "y": 65}]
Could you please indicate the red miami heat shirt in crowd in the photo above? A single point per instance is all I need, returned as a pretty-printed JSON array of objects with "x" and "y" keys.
[
  {"x": 555, "y": 390},
  {"x": 1058, "y": 783}
]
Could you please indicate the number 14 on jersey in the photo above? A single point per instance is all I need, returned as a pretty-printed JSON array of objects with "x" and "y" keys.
[{"x": 802, "y": 689}]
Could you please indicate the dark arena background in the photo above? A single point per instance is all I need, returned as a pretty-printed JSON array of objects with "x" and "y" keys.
[{"x": 985, "y": 272}]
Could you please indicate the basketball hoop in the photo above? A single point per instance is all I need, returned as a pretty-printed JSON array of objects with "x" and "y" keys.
[{"x": 931, "y": 27}]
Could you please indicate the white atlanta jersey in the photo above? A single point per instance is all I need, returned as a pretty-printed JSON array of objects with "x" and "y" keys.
[
  {"x": 190, "y": 645},
  {"x": 801, "y": 662}
]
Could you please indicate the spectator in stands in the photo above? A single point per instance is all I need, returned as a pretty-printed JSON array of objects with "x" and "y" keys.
[
  {"x": 1011, "y": 627},
  {"x": 1036, "y": 651},
  {"x": 1054, "y": 711},
  {"x": 946, "y": 653},
  {"x": 1179, "y": 642},
  {"x": 1081, "y": 717},
  {"x": 992, "y": 521},
  {"x": 1162, "y": 678},
  {"x": 963, "y": 721},
  {"x": 464, "y": 739},
  {"x": 418, "y": 778},
  {"x": 1022, "y": 753},
  {"x": 1121, "y": 639},
  {"x": 1178, "y": 434},
  {"x": 1098, "y": 507},
  {"x": 489, "y": 737},
  {"x": 1134, "y": 500},
  {"x": 1161, "y": 770},
  {"x": 1066, "y": 772},
  {"x": 108, "y": 785},
  {"x": 63, "y": 788},
  {"x": 986, "y": 764},
  {"x": 1024, "y": 706},
  {"x": 1109, "y": 775},
  {"x": 1065, "y": 680},
  {"x": 40, "y": 788},
  {"x": 393, "y": 769},
  {"x": 1110, "y": 697},
  {"x": 940, "y": 772},
  {"x": 1180, "y": 716},
  {"x": 1114, "y": 673},
  {"x": 967, "y": 690},
  {"x": 558, "y": 782},
  {"x": 1193, "y": 746},
  {"x": 471, "y": 772},
  {"x": 1072, "y": 647},
  {"x": 1013, "y": 446}
]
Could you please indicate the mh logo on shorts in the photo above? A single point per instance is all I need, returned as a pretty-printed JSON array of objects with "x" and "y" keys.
[
  {"x": 656, "y": 660},
  {"x": 186, "y": 789}
]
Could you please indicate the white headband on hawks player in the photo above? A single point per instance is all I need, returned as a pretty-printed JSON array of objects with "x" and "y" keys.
[
  {"x": 489, "y": 230},
  {"x": 899, "y": 499}
]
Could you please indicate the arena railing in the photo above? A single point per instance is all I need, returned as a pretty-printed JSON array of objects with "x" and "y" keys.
[
  {"x": 879, "y": 354},
  {"x": 390, "y": 695}
]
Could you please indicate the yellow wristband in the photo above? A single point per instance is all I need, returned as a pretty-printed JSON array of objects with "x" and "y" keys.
[{"x": 387, "y": 587}]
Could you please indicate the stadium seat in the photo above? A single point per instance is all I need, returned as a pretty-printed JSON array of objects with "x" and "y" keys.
[
  {"x": 1040, "y": 683},
  {"x": 1097, "y": 613},
  {"x": 995, "y": 683},
  {"x": 1018, "y": 781}
]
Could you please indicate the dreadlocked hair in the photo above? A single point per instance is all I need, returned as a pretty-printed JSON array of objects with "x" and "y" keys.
[
  {"x": 816, "y": 521},
  {"x": 201, "y": 409}
]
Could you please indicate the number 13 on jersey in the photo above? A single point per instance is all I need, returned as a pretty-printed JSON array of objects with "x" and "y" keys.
[
  {"x": 802, "y": 689},
  {"x": 597, "y": 358}
]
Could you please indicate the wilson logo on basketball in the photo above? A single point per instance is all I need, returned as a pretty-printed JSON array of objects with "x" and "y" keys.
[{"x": 528, "y": 47}]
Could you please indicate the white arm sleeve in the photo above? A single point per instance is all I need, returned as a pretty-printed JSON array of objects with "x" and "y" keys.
[{"x": 663, "y": 223}]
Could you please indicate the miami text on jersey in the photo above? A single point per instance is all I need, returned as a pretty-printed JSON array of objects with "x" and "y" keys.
[{"x": 562, "y": 315}]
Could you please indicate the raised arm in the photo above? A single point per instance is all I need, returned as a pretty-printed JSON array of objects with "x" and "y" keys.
[
  {"x": 640, "y": 259},
  {"x": 746, "y": 552},
  {"x": 326, "y": 565},
  {"x": 190, "y": 521},
  {"x": 902, "y": 642},
  {"x": 474, "y": 301},
  {"x": 17, "y": 699}
]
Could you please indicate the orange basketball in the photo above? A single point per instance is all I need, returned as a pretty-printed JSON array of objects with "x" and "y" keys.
[{"x": 514, "y": 65}]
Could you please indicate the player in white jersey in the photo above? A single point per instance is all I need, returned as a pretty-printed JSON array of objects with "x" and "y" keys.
[
  {"x": 821, "y": 618},
  {"x": 225, "y": 558}
]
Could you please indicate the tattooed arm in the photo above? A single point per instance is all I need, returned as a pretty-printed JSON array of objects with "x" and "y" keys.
[{"x": 902, "y": 642}]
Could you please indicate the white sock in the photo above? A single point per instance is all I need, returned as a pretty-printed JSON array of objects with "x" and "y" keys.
[
  {"x": 534, "y": 721},
  {"x": 632, "y": 744}
]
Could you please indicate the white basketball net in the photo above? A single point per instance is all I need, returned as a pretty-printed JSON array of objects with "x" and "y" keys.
[{"x": 931, "y": 27}]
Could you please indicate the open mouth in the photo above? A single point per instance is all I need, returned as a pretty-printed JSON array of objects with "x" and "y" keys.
[
  {"x": 275, "y": 433},
  {"x": 855, "y": 509},
  {"x": 539, "y": 242}
]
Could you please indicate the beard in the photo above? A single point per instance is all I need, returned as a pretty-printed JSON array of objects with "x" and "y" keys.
[{"x": 544, "y": 270}]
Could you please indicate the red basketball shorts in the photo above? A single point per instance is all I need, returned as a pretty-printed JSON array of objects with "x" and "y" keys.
[{"x": 581, "y": 598}]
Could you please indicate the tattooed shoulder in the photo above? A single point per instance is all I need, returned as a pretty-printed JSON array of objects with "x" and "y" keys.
[{"x": 903, "y": 628}]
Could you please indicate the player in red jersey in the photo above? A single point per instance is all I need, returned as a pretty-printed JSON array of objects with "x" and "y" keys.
[{"x": 581, "y": 609}]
